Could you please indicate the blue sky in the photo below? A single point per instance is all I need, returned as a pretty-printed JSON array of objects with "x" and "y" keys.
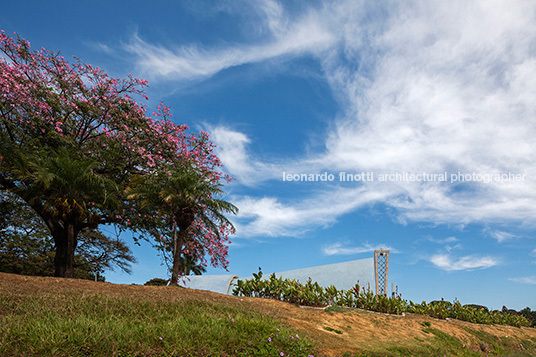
[{"x": 313, "y": 87}]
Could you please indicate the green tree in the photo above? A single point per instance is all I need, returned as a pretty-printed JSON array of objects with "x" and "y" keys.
[
  {"x": 71, "y": 139},
  {"x": 156, "y": 282},
  {"x": 63, "y": 192},
  {"x": 190, "y": 266},
  {"x": 188, "y": 201},
  {"x": 104, "y": 253},
  {"x": 61, "y": 132},
  {"x": 26, "y": 246}
]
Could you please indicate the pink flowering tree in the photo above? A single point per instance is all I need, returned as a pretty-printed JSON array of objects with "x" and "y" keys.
[
  {"x": 72, "y": 139},
  {"x": 179, "y": 202},
  {"x": 193, "y": 214}
]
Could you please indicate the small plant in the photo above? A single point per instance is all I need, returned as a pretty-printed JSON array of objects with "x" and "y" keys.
[
  {"x": 156, "y": 282},
  {"x": 330, "y": 329}
]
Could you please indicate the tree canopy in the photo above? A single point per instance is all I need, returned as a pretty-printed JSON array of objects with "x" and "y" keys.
[
  {"x": 190, "y": 201},
  {"x": 72, "y": 139},
  {"x": 26, "y": 246}
]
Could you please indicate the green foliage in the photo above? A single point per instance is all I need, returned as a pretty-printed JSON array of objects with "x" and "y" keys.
[
  {"x": 156, "y": 282},
  {"x": 477, "y": 307},
  {"x": 72, "y": 139},
  {"x": 104, "y": 253},
  {"x": 26, "y": 246},
  {"x": 312, "y": 294},
  {"x": 529, "y": 315},
  {"x": 189, "y": 265},
  {"x": 331, "y": 329},
  {"x": 480, "y": 315},
  {"x": 188, "y": 200}
]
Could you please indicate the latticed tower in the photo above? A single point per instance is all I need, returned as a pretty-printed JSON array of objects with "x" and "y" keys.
[{"x": 381, "y": 270}]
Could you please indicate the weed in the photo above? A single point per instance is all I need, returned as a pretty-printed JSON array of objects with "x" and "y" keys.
[{"x": 330, "y": 329}]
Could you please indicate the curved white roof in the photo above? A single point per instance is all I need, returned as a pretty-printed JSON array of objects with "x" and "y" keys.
[
  {"x": 341, "y": 275},
  {"x": 216, "y": 283}
]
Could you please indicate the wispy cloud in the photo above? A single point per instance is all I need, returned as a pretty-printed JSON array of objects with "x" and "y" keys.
[
  {"x": 427, "y": 87},
  {"x": 447, "y": 243},
  {"x": 287, "y": 38},
  {"x": 444, "y": 95},
  {"x": 232, "y": 149},
  {"x": 269, "y": 216},
  {"x": 442, "y": 240},
  {"x": 342, "y": 249},
  {"x": 501, "y": 236},
  {"x": 441, "y": 95},
  {"x": 531, "y": 280},
  {"x": 469, "y": 262},
  {"x": 102, "y": 47}
]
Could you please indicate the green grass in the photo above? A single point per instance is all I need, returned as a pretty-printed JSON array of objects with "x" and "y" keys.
[
  {"x": 441, "y": 344},
  {"x": 97, "y": 325},
  {"x": 330, "y": 329},
  {"x": 445, "y": 344},
  {"x": 502, "y": 346},
  {"x": 335, "y": 308}
]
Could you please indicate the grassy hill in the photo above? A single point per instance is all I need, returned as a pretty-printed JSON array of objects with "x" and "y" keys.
[{"x": 65, "y": 317}]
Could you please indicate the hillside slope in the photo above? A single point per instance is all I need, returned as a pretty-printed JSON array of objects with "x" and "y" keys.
[{"x": 333, "y": 331}]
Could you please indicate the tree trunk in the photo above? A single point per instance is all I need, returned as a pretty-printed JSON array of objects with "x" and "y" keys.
[
  {"x": 65, "y": 239},
  {"x": 65, "y": 236},
  {"x": 174, "y": 238},
  {"x": 180, "y": 238}
]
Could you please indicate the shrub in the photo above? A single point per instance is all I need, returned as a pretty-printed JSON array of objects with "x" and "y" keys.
[
  {"x": 312, "y": 294},
  {"x": 156, "y": 282}
]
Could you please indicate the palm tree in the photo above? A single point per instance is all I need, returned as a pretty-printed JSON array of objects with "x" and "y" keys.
[
  {"x": 66, "y": 193},
  {"x": 189, "y": 265},
  {"x": 186, "y": 196}
]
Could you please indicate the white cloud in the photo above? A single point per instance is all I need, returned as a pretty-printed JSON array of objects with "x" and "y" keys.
[
  {"x": 525, "y": 280},
  {"x": 470, "y": 262},
  {"x": 268, "y": 216},
  {"x": 449, "y": 248},
  {"x": 429, "y": 87},
  {"x": 501, "y": 236},
  {"x": 443, "y": 240},
  {"x": 231, "y": 148},
  {"x": 287, "y": 37},
  {"x": 446, "y": 93},
  {"x": 101, "y": 47},
  {"x": 340, "y": 249}
]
